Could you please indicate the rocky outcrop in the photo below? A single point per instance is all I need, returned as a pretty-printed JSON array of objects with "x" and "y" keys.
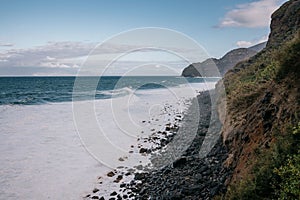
[
  {"x": 285, "y": 23},
  {"x": 228, "y": 61},
  {"x": 198, "y": 69},
  {"x": 260, "y": 103}
]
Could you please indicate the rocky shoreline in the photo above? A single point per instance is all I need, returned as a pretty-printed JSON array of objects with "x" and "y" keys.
[{"x": 190, "y": 176}]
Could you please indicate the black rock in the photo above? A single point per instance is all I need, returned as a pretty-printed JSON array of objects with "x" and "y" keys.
[
  {"x": 120, "y": 177},
  {"x": 114, "y": 193},
  {"x": 95, "y": 190},
  {"x": 214, "y": 191},
  {"x": 132, "y": 183},
  {"x": 192, "y": 189},
  {"x": 181, "y": 161},
  {"x": 143, "y": 150},
  {"x": 139, "y": 176},
  {"x": 127, "y": 174},
  {"x": 119, "y": 197},
  {"x": 203, "y": 168},
  {"x": 122, "y": 185},
  {"x": 110, "y": 174}
]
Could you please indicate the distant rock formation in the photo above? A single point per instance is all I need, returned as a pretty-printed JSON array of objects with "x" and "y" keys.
[{"x": 228, "y": 61}]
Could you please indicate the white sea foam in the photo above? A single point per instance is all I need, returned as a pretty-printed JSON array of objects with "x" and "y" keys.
[{"x": 42, "y": 156}]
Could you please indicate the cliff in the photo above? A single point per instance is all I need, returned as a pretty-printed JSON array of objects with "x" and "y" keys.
[
  {"x": 228, "y": 61},
  {"x": 262, "y": 99}
]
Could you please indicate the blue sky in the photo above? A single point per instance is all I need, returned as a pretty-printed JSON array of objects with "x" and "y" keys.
[{"x": 30, "y": 27}]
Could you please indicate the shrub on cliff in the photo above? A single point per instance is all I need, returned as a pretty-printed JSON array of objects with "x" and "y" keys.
[
  {"x": 289, "y": 59},
  {"x": 289, "y": 172},
  {"x": 276, "y": 173}
]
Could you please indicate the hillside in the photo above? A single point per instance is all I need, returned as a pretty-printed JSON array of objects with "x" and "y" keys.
[
  {"x": 224, "y": 64},
  {"x": 261, "y": 128}
]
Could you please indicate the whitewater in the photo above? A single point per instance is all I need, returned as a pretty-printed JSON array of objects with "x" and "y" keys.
[{"x": 43, "y": 156}]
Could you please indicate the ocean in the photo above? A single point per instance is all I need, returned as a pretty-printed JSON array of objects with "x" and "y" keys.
[
  {"x": 43, "y": 90},
  {"x": 42, "y": 142}
]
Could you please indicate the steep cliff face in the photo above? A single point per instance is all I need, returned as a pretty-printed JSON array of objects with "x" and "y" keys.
[
  {"x": 285, "y": 23},
  {"x": 263, "y": 94},
  {"x": 228, "y": 61}
]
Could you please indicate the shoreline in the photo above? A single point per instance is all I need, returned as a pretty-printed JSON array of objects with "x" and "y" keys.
[
  {"x": 189, "y": 176},
  {"x": 158, "y": 132}
]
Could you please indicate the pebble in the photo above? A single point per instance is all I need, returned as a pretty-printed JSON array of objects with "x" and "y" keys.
[
  {"x": 143, "y": 150},
  {"x": 110, "y": 174},
  {"x": 122, "y": 185},
  {"x": 95, "y": 190},
  {"x": 127, "y": 174},
  {"x": 114, "y": 193}
]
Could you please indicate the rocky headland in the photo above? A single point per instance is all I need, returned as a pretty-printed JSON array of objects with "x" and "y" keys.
[{"x": 228, "y": 61}]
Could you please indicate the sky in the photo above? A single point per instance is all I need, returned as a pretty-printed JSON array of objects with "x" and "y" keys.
[{"x": 55, "y": 37}]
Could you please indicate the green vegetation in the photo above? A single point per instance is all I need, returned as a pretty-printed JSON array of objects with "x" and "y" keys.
[
  {"x": 249, "y": 78},
  {"x": 289, "y": 59},
  {"x": 289, "y": 172},
  {"x": 263, "y": 103},
  {"x": 276, "y": 174}
]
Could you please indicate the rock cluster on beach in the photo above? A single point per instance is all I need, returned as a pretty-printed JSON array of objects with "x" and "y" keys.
[{"x": 188, "y": 177}]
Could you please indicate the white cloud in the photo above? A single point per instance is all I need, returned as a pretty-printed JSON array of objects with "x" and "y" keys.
[
  {"x": 54, "y": 57},
  {"x": 51, "y": 53},
  {"x": 67, "y": 53},
  {"x": 6, "y": 44},
  {"x": 245, "y": 44},
  {"x": 54, "y": 65},
  {"x": 66, "y": 57},
  {"x": 52, "y": 74},
  {"x": 50, "y": 58},
  {"x": 251, "y": 15}
]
